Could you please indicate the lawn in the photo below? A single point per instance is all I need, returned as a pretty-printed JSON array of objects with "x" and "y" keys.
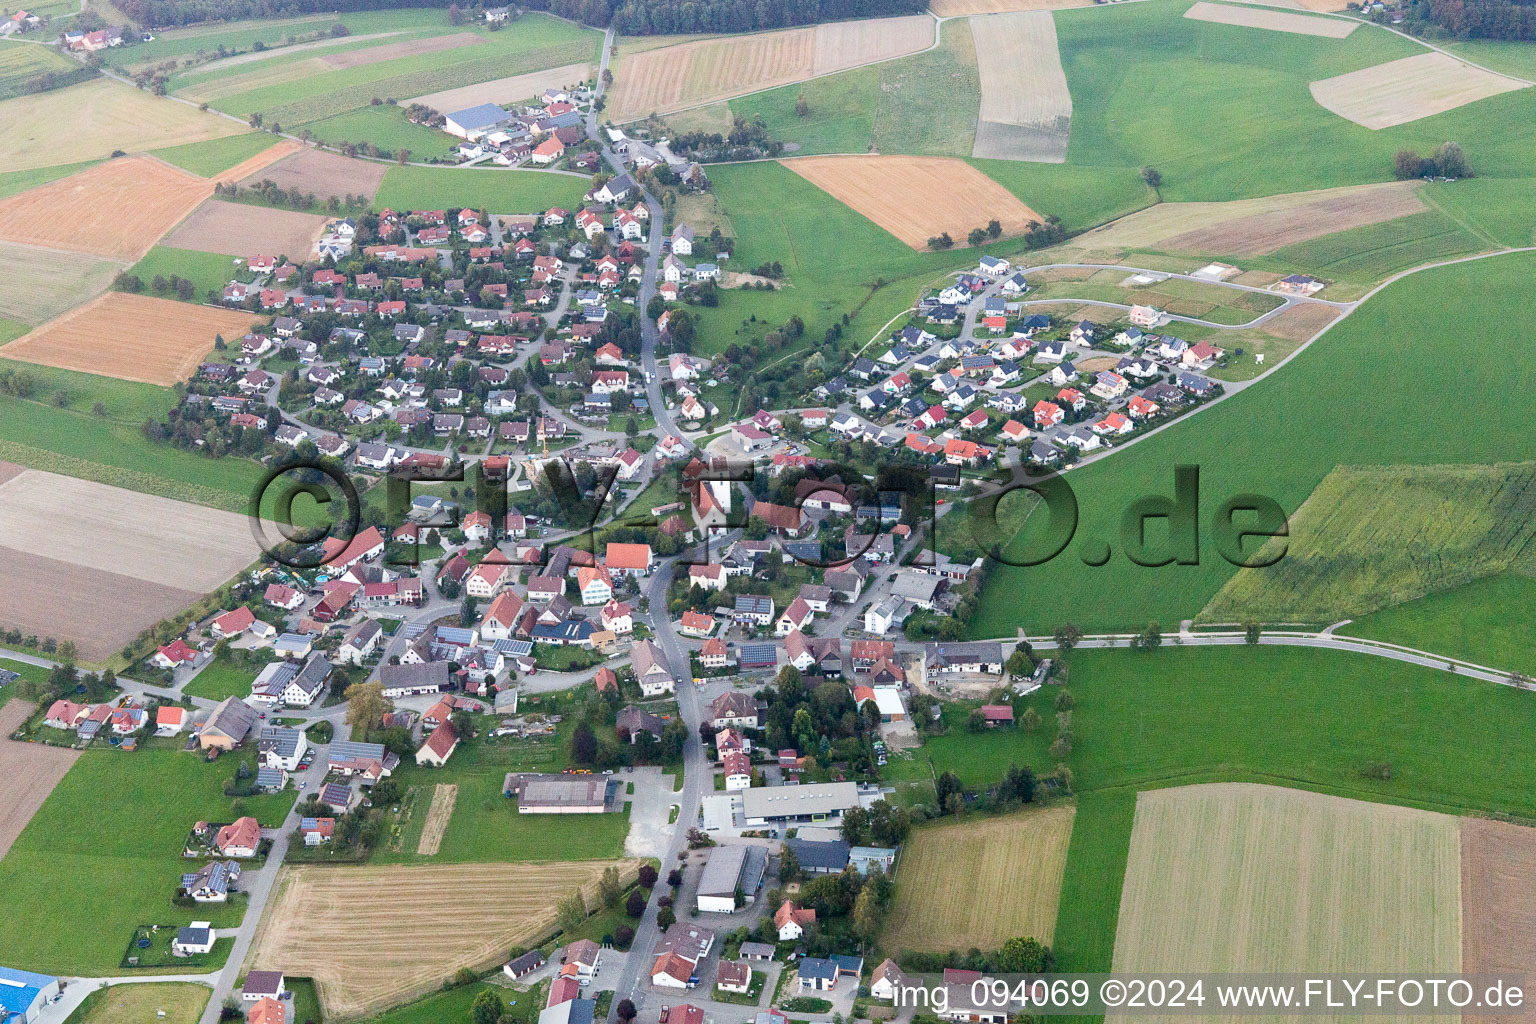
[
  {"x": 223, "y": 677},
  {"x": 206, "y": 270},
  {"x": 129, "y": 846},
  {"x": 217, "y": 155},
  {"x": 1266, "y": 440},
  {"x": 454, "y": 1005},
  {"x": 494, "y": 189},
  {"x": 118, "y": 1004}
]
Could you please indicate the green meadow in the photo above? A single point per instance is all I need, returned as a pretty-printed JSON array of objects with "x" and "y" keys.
[
  {"x": 208, "y": 271},
  {"x": 385, "y": 126},
  {"x": 217, "y": 155},
  {"x": 494, "y": 189},
  {"x": 115, "y": 823},
  {"x": 1485, "y": 621},
  {"x": 1330, "y": 406}
]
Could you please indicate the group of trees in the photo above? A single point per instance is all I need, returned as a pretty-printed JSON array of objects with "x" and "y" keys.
[
  {"x": 664, "y": 17},
  {"x": 160, "y": 13},
  {"x": 1447, "y": 161},
  {"x": 1470, "y": 19},
  {"x": 272, "y": 194}
]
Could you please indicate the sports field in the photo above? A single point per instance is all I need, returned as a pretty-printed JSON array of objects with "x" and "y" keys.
[
  {"x": 342, "y": 926},
  {"x": 1026, "y": 109},
  {"x": 1272, "y": 21},
  {"x": 131, "y": 337},
  {"x": 695, "y": 73},
  {"x": 975, "y": 884},
  {"x": 28, "y": 773},
  {"x": 1409, "y": 89},
  {"x": 323, "y": 173},
  {"x": 236, "y": 229},
  {"x": 102, "y": 116},
  {"x": 916, "y": 198},
  {"x": 117, "y": 209},
  {"x": 38, "y": 284},
  {"x": 1242, "y": 878}
]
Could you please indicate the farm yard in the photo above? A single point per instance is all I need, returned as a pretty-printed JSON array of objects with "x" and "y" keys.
[
  {"x": 115, "y": 210},
  {"x": 1298, "y": 881},
  {"x": 28, "y": 773},
  {"x": 975, "y": 884},
  {"x": 38, "y": 284},
  {"x": 130, "y": 337},
  {"x": 1373, "y": 536},
  {"x": 1270, "y": 20},
  {"x": 102, "y": 115},
  {"x": 236, "y": 229},
  {"x": 696, "y": 73},
  {"x": 916, "y": 198},
  {"x": 1026, "y": 110},
  {"x": 323, "y": 173},
  {"x": 341, "y": 926},
  {"x": 1409, "y": 89}
]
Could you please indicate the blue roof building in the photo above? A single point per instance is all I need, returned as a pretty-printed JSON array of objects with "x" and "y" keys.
[{"x": 23, "y": 995}]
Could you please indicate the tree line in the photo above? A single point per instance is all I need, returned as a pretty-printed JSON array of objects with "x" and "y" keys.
[
  {"x": 1472, "y": 19},
  {"x": 160, "y": 13},
  {"x": 663, "y": 17}
]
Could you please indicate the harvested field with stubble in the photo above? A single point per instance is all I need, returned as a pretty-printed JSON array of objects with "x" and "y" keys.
[
  {"x": 916, "y": 198},
  {"x": 131, "y": 337},
  {"x": 707, "y": 71},
  {"x": 1255, "y": 227},
  {"x": 1026, "y": 109},
  {"x": 117, "y": 209},
  {"x": 1498, "y": 893},
  {"x": 1405, "y": 90},
  {"x": 342, "y": 925},
  {"x": 38, "y": 284},
  {"x": 102, "y": 115},
  {"x": 975, "y": 884},
  {"x": 443, "y": 799},
  {"x": 961, "y": 8},
  {"x": 515, "y": 89},
  {"x": 28, "y": 773},
  {"x": 1233, "y": 877},
  {"x": 237, "y": 229},
  {"x": 394, "y": 51},
  {"x": 323, "y": 173},
  {"x": 1273, "y": 21}
]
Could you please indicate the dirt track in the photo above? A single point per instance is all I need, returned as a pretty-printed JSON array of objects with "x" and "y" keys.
[
  {"x": 28, "y": 773},
  {"x": 443, "y": 799}
]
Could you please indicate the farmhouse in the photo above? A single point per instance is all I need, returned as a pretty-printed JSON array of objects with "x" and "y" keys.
[
  {"x": 791, "y": 921},
  {"x": 227, "y": 725}
]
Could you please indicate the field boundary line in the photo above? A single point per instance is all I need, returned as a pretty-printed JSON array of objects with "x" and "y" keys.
[{"x": 1423, "y": 194}]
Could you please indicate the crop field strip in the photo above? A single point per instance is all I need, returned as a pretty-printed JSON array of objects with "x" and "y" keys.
[
  {"x": 962, "y": 8},
  {"x": 258, "y": 162},
  {"x": 21, "y": 62},
  {"x": 1406, "y": 90},
  {"x": 38, "y": 284},
  {"x": 116, "y": 209},
  {"x": 393, "y": 51},
  {"x": 28, "y": 773},
  {"x": 324, "y": 173},
  {"x": 131, "y": 337},
  {"x": 238, "y": 229},
  {"x": 916, "y": 198},
  {"x": 1373, "y": 536},
  {"x": 1232, "y": 877},
  {"x": 1026, "y": 109},
  {"x": 707, "y": 71},
  {"x": 513, "y": 89},
  {"x": 1270, "y": 20},
  {"x": 341, "y": 926},
  {"x": 438, "y": 816},
  {"x": 102, "y": 115},
  {"x": 975, "y": 884},
  {"x": 1498, "y": 893},
  {"x": 1374, "y": 251}
]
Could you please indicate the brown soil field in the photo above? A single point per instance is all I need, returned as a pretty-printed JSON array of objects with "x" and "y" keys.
[
  {"x": 1301, "y": 321},
  {"x": 1405, "y": 90},
  {"x": 1274, "y": 21},
  {"x": 28, "y": 773},
  {"x": 236, "y": 229},
  {"x": 154, "y": 539},
  {"x": 505, "y": 90},
  {"x": 1164, "y": 225},
  {"x": 1257, "y": 278},
  {"x": 343, "y": 926},
  {"x": 131, "y": 337},
  {"x": 1498, "y": 911},
  {"x": 100, "y": 611},
  {"x": 443, "y": 799},
  {"x": 325, "y": 174},
  {"x": 961, "y": 8},
  {"x": 101, "y": 116},
  {"x": 709, "y": 70},
  {"x": 1026, "y": 110},
  {"x": 250, "y": 165},
  {"x": 393, "y": 51},
  {"x": 118, "y": 209},
  {"x": 38, "y": 284},
  {"x": 916, "y": 198}
]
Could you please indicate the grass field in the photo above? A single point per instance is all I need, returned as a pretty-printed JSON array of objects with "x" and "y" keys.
[
  {"x": 496, "y": 190},
  {"x": 12, "y": 182},
  {"x": 1263, "y": 441},
  {"x": 1301, "y": 882},
  {"x": 124, "y": 1004},
  {"x": 223, "y": 677},
  {"x": 386, "y": 127},
  {"x": 206, "y": 270},
  {"x": 1370, "y": 253},
  {"x": 134, "y": 856},
  {"x": 22, "y": 62},
  {"x": 1482, "y": 621},
  {"x": 216, "y": 156},
  {"x": 1370, "y": 537},
  {"x": 975, "y": 884},
  {"x": 103, "y": 115}
]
